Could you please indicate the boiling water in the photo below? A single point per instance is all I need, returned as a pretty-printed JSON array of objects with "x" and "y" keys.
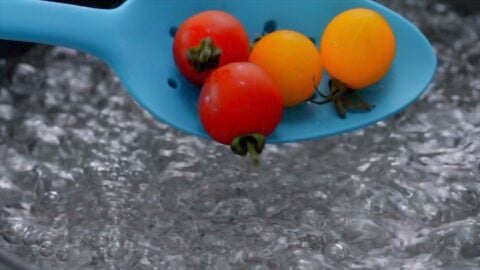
[{"x": 90, "y": 181}]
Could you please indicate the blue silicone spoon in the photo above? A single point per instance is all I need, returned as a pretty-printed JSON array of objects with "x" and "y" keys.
[{"x": 135, "y": 39}]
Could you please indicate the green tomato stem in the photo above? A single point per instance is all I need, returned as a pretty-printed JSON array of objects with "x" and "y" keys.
[
  {"x": 252, "y": 152},
  {"x": 252, "y": 144},
  {"x": 343, "y": 98},
  {"x": 204, "y": 56}
]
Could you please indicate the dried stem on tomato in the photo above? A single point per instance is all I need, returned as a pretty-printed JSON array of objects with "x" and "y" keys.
[{"x": 343, "y": 98}]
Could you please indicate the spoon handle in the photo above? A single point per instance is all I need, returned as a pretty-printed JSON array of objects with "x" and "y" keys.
[{"x": 81, "y": 28}]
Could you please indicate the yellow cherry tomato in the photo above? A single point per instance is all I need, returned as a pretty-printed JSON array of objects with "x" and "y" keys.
[
  {"x": 292, "y": 61},
  {"x": 358, "y": 47}
]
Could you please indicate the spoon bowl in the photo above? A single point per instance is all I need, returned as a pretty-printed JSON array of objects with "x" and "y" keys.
[{"x": 136, "y": 40}]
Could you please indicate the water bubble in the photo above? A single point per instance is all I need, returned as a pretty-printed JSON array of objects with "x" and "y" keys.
[
  {"x": 312, "y": 241},
  {"x": 99, "y": 240},
  {"x": 312, "y": 217},
  {"x": 305, "y": 262},
  {"x": 7, "y": 112},
  {"x": 46, "y": 249},
  {"x": 100, "y": 254},
  {"x": 52, "y": 196},
  {"x": 114, "y": 250},
  {"x": 30, "y": 238},
  {"x": 10, "y": 236},
  {"x": 234, "y": 208},
  {"x": 470, "y": 250},
  {"x": 25, "y": 79},
  {"x": 63, "y": 254},
  {"x": 336, "y": 251}
]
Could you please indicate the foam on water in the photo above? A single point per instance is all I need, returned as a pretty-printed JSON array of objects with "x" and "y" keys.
[{"x": 90, "y": 181}]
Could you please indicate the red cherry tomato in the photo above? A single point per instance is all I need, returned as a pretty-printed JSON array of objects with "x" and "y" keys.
[
  {"x": 209, "y": 40},
  {"x": 240, "y": 105}
]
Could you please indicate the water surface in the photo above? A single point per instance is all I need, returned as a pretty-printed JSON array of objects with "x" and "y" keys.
[{"x": 90, "y": 181}]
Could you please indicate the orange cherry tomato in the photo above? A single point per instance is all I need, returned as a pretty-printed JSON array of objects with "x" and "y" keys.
[
  {"x": 292, "y": 61},
  {"x": 358, "y": 47}
]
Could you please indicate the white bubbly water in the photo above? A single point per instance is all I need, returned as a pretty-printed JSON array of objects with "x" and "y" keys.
[{"x": 90, "y": 181}]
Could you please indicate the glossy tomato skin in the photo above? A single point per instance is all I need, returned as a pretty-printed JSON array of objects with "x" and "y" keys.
[
  {"x": 239, "y": 99},
  {"x": 358, "y": 47},
  {"x": 293, "y": 62},
  {"x": 227, "y": 33}
]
